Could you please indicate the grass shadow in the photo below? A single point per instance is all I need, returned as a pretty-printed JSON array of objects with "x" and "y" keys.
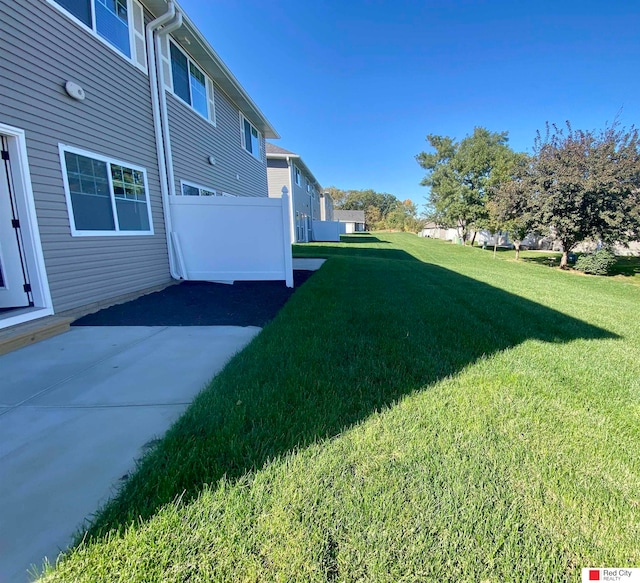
[
  {"x": 372, "y": 326},
  {"x": 327, "y": 250},
  {"x": 550, "y": 259},
  {"x": 628, "y": 266},
  {"x": 364, "y": 238}
]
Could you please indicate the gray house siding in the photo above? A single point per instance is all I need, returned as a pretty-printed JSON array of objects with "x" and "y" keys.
[
  {"x": 114, "y": 120},
  {"x": 300, "y": 201},
  {"x": 278, "y": 175},
  {"x": 326, "y": 207},
  {"x": 302, "y": 198},
  {"x": 194, "y": 139},
  {"x": 315, "y": 203},
  {"x": 281, "y": 172}
]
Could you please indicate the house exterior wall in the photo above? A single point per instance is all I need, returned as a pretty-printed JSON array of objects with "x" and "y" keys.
[
  {"x": 281, "y": 172},
  {"x": 485, "y": 237},
  {"x": 278, "y": 175},
  {"x": 42, "y": 49},
  {"x": 194, "y": 139},
  {"x": 326, "y": 210},
  {"x": 316, "y": 205},
  {"x": 300, "y": 197}
]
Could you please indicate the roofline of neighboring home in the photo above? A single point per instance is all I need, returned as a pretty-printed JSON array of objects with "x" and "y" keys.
[
  {"x": 351, "y": 211},
  {"x": 300, "y": 162},
  {"x": 194, "y": 43}
]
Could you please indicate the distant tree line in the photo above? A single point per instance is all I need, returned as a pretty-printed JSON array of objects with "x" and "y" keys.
[
  {"x": 381, "y": 209},
  {"x": 576, "y": 186}
]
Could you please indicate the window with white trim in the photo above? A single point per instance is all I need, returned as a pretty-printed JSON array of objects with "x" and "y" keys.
[
  {"x": 105, "y": 196},
  {"x": 120, "y": 23},
  {"x": 192, "y": 189},
  {"x": 190, "y": 84},
  {"x": 297, "y": 175},
  {"x": 250, "y": 138}
]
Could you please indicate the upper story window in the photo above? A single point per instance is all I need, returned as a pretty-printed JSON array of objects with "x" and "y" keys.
[
  {"x": 112, "y": 23},
  {"x": 188, "y": 81},
  {"x": 297, "y": 175},
  {"x": 250, "y": 138},
  {"x": 120, "y": 23},
  {"x": 105, "y": 196}
]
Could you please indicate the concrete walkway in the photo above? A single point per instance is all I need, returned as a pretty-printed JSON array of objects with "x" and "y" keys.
[
  {"x": 308, "y": 263},
  {"x": 77, "y": 410}
]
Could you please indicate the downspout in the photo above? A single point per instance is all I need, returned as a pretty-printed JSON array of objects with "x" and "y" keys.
[{"x": 170, "y": 20}]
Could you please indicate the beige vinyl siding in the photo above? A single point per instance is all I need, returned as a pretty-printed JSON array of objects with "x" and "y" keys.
[
  {"x": 41, "y": 50},
  {"x": 278, "y": 175},
  {"x": 194, "y": 139}
]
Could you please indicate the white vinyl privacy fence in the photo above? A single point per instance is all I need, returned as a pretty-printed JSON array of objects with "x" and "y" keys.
[
  {"x": 232, "y": 239},
  {"x": 326, "y": 231}
]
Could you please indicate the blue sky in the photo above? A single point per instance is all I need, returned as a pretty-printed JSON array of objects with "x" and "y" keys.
[{"x": 355, "y": 86}]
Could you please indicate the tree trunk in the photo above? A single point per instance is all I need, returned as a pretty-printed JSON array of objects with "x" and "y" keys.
[
  {"x": 473, "y": 239},
  {"x": 516, "y": 244},
  {"x": 495, "y": 245},
  {"x": 462, "y": 233},
  {"x": 564, "y": 261}
]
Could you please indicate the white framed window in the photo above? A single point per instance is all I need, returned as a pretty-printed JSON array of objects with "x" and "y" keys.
[
  {"x": 187, "y": 81},
  {"x": 250, "y": 138},
  {"x": 118, "y": 23},
  {"x": 297, "y": 175},
  {"x": 192, "y": 189},
  {"x": 104, "y": 196}
]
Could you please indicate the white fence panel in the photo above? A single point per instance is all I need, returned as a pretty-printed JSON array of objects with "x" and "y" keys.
[
  {"x": 326, "y": 231},
  {"x": 232, "y": 239}
]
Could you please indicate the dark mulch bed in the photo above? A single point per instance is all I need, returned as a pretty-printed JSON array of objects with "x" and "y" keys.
[{"x": 198, "y": 303}]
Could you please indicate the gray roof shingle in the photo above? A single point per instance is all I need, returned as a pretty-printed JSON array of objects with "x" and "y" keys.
[
  {"x": 273, "y": 149},
  {"x": 349, "y": 216}
]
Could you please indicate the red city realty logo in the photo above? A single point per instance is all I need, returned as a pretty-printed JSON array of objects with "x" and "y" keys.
[{"x": 594, "y": 574}]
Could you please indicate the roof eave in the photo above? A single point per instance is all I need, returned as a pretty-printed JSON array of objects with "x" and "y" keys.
[
  {"x": 300, "y": 161},
  {"x": 282, "y": 156}
]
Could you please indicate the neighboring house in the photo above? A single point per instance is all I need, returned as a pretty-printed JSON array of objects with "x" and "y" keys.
[
  {"x": 352, "y": 221},
  {"x": 487, "y": 239},
  {"x": 434, "y": 231},
  {"x": 99, "y": 143},
  {"x": 287, "y": 169},
  {"x": 326, "y": 207}
]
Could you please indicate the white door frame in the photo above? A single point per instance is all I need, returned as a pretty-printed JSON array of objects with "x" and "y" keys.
[
  {"x": 21, "y": 182},
  {"x": 12, "y": 270}
]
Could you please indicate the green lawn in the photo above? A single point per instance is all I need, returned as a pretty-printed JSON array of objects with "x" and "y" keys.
[{"x": 417, "y": 410}]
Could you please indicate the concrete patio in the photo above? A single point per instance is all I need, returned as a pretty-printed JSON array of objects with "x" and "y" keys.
[{"x": 77, "y": 410}]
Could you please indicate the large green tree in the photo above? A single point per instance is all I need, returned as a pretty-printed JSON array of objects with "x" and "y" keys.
[
  {"x": 586, "y": 185},
  {"x": 510, "y": 204},
  {"x": 460, "y": 176}
]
